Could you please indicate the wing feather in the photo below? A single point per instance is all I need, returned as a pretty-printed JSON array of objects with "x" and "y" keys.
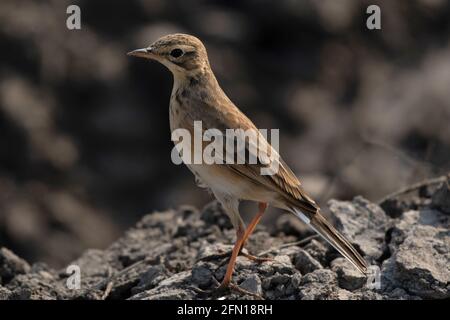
[{"x": 283, "y": 181}]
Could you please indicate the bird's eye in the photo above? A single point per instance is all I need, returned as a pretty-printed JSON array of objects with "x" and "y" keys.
[{"x": 176, "y": 53}]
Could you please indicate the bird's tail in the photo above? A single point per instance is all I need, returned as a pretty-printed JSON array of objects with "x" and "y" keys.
[{"x": 319, "y": 224}]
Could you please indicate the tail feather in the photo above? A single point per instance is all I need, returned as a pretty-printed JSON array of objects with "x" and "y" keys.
[{"x": 319, "y": 224}]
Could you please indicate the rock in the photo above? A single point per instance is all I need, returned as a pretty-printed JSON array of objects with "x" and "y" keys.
[
  {"x": 281, "y": 264},
  {"x": 343, "y": 294},
  {"x": 169, "y": 294},
  {"x": 202, "y": 275},
  {"x": 173, "y": 287},
  {"x": 11, "y": 265},
  {"x": 319, "y": 284},
  {"x": 410, "y": 219},
  {"x": 364, "y": 223},
  {"x": 151, "y": 278},
  {"x": 164, "y": 258},
  {"x": 94, "y": 266},
  {"x": 317, "y": 250},
  {"x": 400, "y": 294},
  {"x": 252, "y": 284},
  {"x": 349, "y": 278},
  {"x": 305, "y": 262},
  {"x": 276, "y": 286},
  {"x": 40, "y": 283},
  {"x": 294, "y": 284},
  {"x": 213, "y": 214},
  {"x": 363, "y": 294},
  {"x": 394, "y": 207},
  {"x": 5, "y": 294},
  {"x": 441, "y": 198},
  {"x": 208, "y": 250},
  {"x": 291, "y": 225},
  {"x": 421, "y": 263}
]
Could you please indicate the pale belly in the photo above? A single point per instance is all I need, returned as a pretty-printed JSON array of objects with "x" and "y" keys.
[{"x": 221, "y": 179}]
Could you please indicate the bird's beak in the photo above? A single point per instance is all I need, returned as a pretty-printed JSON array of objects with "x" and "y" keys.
[{"x": 142, "y": 53}]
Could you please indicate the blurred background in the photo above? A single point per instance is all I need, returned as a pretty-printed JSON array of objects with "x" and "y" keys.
[{"x": 84, "y": 132}]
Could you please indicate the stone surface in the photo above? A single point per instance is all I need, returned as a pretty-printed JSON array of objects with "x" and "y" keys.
[
  {"x": 317, "y": 250},
  {"x": 364, "y": 223},
  {"x": 202, "y": 275},
  {"x": 349, "y": 278},
  {"x": 320, "y": 284},
  {"x": 305, "y": 262},
  {"x": 252, "y": 284},
  {"x": 11, "y": 265},
  {"x": 420, "y": 261},
  {"x": 441, "y": 198},
  {"x": 183, "y": 254}
]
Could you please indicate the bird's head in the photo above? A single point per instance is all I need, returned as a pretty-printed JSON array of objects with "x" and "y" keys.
[{"x": 181, "y": 53}]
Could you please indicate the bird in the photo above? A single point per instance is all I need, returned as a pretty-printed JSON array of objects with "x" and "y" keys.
[{"x": 197, "y": 96}]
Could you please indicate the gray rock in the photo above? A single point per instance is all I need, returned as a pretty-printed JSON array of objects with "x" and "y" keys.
[
  {"x": 319, "y": 284},
  {"x": 94, "y": 267},
  {"x": 394, "y": 207},
  {"x": 5, "y": 293},
  {"x": 348, "y": 277},
  {"x": 441, "y": 198},
  {"x": 176, "y": 280},
  {"x": 291, "y": 225},
  {"x": 282, "y": 264},
  {"x": 420, "y": 254},
  {"x": 40, "y": 283},
  {"x": 11, "y": 265},
  {"x": 173, "y": 287},
  {"x": 163, "y": 258},
  {"x": 400, "y": 294},
  {"x": 208, "y": 250},
  {"x": 278, "y": 279},
  {"x": 294, "y": 284},
  {"x": 168, "y": 294},
  {"x": 213, "y": 214},
  {"x": 363, "y": 222},
  {"x": 151, "y": 278},
  {"x": 252, "y": 284},
  {"x": 305, "y": 262},
  {"x": 421, "y": 263},
  {"x": 202, "y": 275},
  {"x": 363, "y": 294},
  {"x": 412, "y": 218},
  {"x": 317, "y": 250}
]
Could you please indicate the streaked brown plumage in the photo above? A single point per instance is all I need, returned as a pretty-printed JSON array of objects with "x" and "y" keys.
[{"x": 196, "y": 95}]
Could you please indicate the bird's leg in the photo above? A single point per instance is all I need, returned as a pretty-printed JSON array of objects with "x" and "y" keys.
[
  {"x": 251, "y": 227},
  {"x": 262, "y": 208},
  {"x": 242, "y": 236},
  {"x": 237, "y": 247}
]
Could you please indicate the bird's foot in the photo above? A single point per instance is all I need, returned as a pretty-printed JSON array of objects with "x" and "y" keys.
[
  {"x": 240, "y": 290},
  {"x": 228, "y": 285}
]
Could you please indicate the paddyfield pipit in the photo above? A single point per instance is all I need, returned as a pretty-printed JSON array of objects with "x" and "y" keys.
[{"x": 197, "y": 96}]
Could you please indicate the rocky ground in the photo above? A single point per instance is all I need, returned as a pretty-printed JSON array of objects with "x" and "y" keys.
[{"x": 181, "y": 254}]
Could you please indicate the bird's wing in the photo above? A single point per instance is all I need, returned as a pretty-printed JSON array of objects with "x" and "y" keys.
[{"x": 283, "y": 181}]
